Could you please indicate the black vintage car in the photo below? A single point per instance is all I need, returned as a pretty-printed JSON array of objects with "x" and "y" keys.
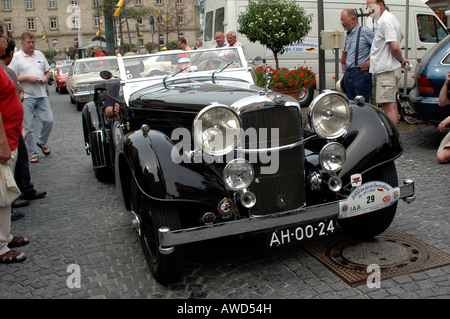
[{"x": 198, "y": 152}]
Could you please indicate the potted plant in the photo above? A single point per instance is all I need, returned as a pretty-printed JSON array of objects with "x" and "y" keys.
[
  {"x": 291, "y": 82},
  {"x": 276, "y": 24}
]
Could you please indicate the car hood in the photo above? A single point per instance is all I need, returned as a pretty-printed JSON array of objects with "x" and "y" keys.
[
  {"x": 87, "y": 78},
  {"x": 196, "y": 95}
]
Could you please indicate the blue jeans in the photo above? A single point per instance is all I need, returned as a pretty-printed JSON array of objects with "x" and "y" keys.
[
  {"x": 41, "y": 107},
  {"x": 358, "y": 82}
]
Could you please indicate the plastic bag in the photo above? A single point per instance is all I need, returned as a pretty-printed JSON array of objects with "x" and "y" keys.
[{"x": 8, "y": 187}]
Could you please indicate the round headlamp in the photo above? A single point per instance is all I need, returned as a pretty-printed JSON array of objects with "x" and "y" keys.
[
  {"x": 330, "y": 114},
  {"x": 238, "y": 174},
  {"x": 332, "y": 157},
  {"x": 216, "y": 130}
]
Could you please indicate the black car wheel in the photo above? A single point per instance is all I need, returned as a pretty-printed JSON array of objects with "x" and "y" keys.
[
  {"x": 165, "y": 268},
  {"x": 305, "y": 98},
  {"x": 371, "y": 224}
]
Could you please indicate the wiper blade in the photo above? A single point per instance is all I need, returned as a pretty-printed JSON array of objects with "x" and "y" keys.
[
  {"x": 172, "y": 75},
  {"x": 220, "y": 70}
]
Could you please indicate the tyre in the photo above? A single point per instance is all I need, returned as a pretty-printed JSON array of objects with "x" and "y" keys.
[
  {"x": 374, "y": 223},
  {"x": 165, "y": 268},
  {"x": 406, "y": 110},
  {"x": 79, "y": 106},
  {"x": 306, "y": 97}
]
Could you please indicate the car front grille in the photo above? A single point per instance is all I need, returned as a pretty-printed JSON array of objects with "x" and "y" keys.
[{"x": 282, "y": 188}]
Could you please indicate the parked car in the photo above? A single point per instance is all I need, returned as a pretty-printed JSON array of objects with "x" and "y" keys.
[
  {"x": 61, "y": 73},
  {"x": 84, "y": 76},
  {"x": 200, "y": 152},
  {"x": 429, "y": 77}
]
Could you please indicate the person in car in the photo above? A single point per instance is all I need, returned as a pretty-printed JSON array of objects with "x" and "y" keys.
[
  {"x": 111, "y": 107},
  {"x": 443, "y": 153}
]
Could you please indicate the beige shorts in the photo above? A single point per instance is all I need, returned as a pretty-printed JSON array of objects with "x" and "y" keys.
[
  {"x": 445, "y": 142},
  {"x": 387, "y": 85}
]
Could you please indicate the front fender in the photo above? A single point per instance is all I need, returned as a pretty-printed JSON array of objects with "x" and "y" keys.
[
  {"x": 147, "y": 159},
  {"x": 91, "y": 120},
  {"x": 372, "y": 140}
]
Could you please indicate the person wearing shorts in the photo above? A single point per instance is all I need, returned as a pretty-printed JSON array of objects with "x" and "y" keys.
[
  {"x": 443, "y": 152},
  {"x": 386, "y": 56}
]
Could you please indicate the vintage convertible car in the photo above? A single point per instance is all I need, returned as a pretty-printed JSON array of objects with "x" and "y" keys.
[{"x": 199, "y": 152}]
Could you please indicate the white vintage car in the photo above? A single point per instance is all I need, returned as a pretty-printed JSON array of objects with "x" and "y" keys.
[{"x": 84, "y": 76}]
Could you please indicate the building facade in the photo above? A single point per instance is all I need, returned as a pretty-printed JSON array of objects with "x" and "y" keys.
[{"x": 64, "y": 25}]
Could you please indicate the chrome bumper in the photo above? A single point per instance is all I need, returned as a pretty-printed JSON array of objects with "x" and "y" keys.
[{"x": 168, "y": 239}]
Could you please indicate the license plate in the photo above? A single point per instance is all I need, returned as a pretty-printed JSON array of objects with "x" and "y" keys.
[{"x": 300, "y": 233}]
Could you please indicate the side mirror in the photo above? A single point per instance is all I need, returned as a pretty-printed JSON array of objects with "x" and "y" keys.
[
  {"x": 106, "y": 75},
  {"x": 257, "y": 61}
]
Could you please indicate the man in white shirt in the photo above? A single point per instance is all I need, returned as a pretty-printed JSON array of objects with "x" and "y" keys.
[
  {"x": 32, "y": 70},
  {"x": 386, "y": 56}
]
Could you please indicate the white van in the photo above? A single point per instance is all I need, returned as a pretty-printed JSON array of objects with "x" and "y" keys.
[{"x": 425, "y": 29}]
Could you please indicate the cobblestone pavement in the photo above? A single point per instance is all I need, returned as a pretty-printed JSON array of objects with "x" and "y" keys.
[{"x": 80, "y": 222}]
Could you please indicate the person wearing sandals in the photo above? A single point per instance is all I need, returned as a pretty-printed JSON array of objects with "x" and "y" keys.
[
  {"x": 32, "y": 70},
  {"x": 11, "y": 115},
  {"x": 22, "y": 172}
]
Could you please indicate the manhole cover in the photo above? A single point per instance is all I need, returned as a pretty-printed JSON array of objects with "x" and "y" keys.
[{"x": 393, "y": 251}]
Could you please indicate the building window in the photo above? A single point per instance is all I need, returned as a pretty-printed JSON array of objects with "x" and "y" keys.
[
  {"x": 29, "y": 4},
  {"x": 52, "y": 4},
  {"x": 31, "y": 25},
  {"x": 75, "y": 22},
  {"x": 53, "y": 23},
  {"x": 6, "y": 5},
  {"x": 9, "y": 25}
]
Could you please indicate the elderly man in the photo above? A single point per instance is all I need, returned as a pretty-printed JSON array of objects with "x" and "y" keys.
[
  {"x": 356, "y": 57},
  {"x": 220, "y": 40},
  {"x": 232, "y": 41}
]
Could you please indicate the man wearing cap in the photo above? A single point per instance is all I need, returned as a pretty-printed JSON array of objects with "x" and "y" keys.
[{"x": 356, "y": 57}]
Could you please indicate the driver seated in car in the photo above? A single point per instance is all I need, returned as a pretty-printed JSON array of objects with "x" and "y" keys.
[
  {"x": 209, "y": 61},
  {"x": 111, "y": 107}
]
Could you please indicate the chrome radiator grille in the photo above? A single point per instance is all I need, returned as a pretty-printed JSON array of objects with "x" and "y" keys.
[{"x": 284, "y": 189}]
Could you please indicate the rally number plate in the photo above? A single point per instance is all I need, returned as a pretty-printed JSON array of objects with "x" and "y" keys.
[{"x": 300, "y": 233}]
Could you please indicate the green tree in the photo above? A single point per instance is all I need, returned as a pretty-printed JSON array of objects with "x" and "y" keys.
[{"x": 275, "y": 24}]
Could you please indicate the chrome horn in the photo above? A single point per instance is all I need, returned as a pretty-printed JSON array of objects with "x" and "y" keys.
[{"x": 248, "y": 199}]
